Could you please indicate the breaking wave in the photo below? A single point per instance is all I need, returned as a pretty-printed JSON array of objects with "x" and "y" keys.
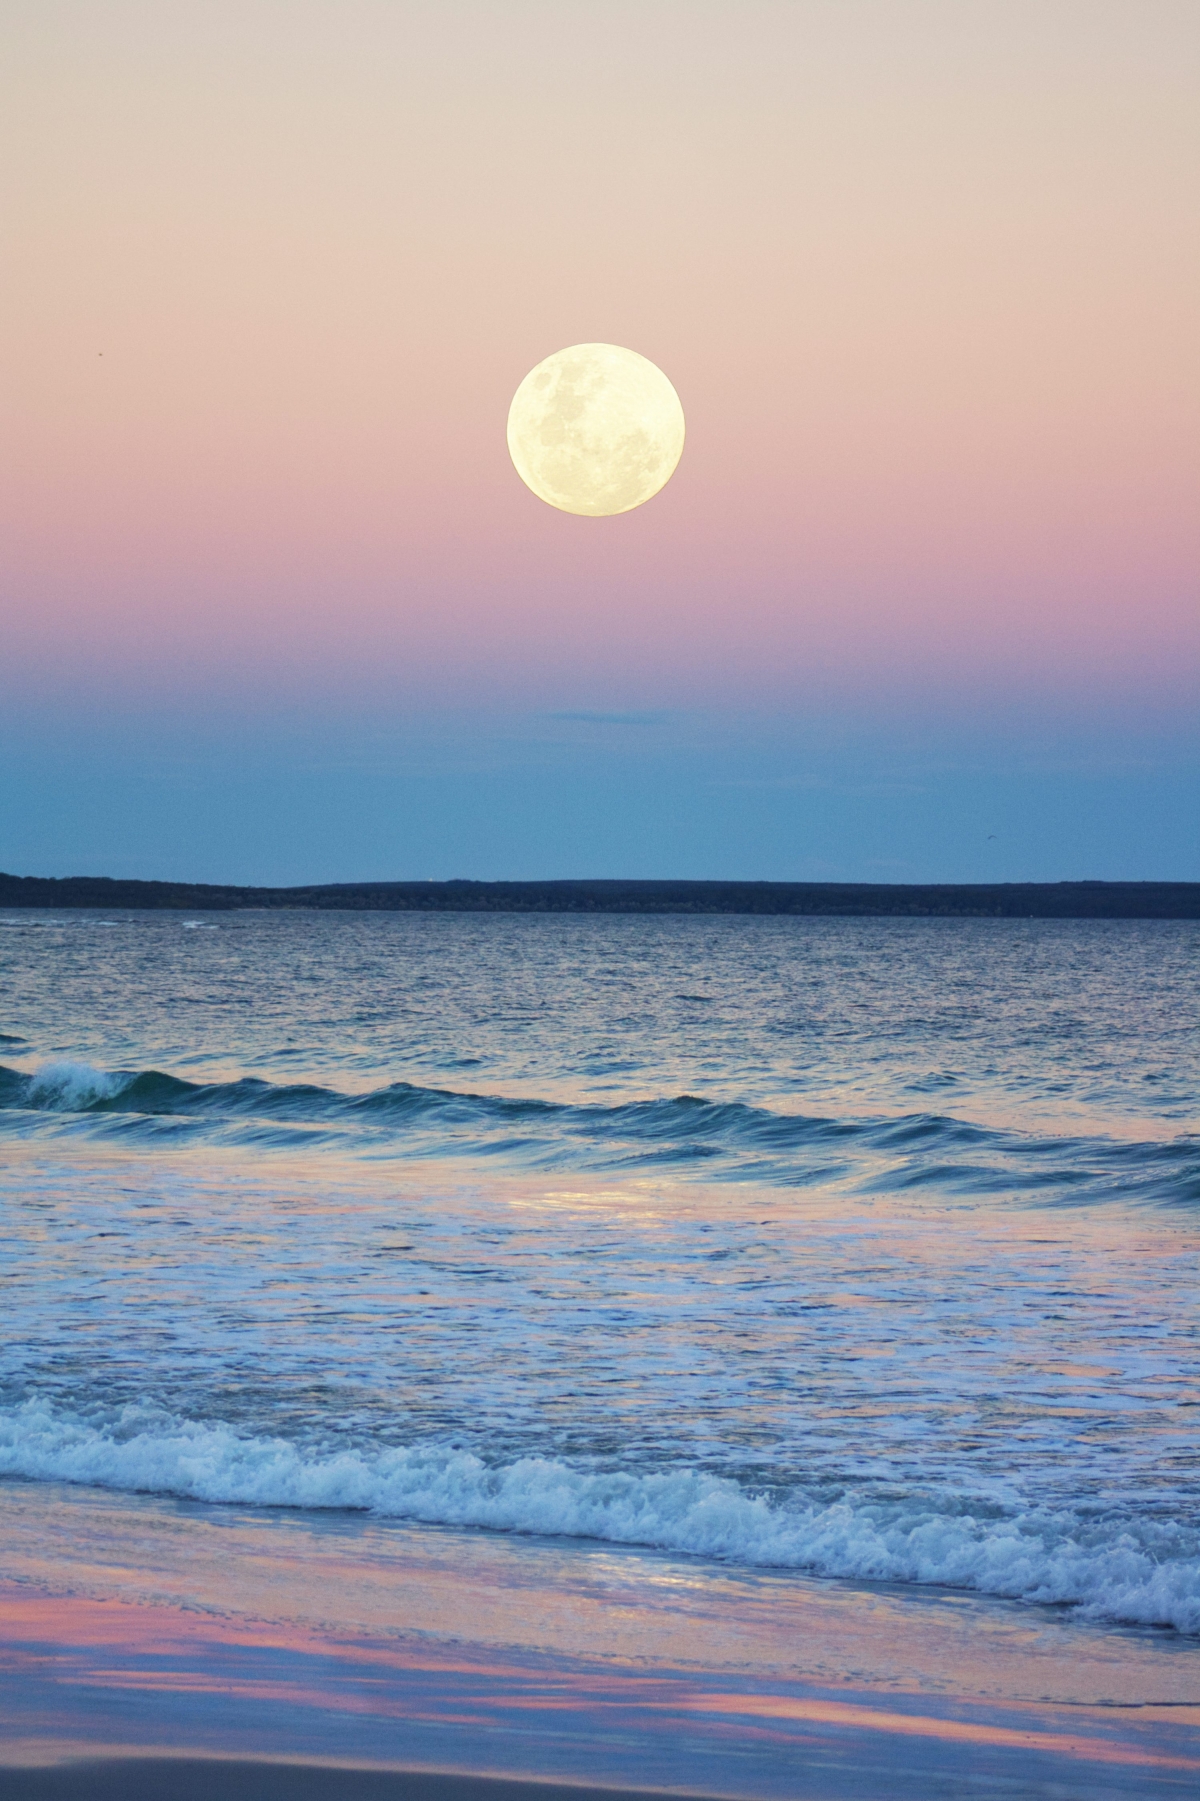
[
  {"x": 71, "y": 1087},
  {"x": 1135, "y": 1572}
]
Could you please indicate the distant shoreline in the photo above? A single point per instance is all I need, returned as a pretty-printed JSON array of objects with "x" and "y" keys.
[{"x": 891, "y": 900}]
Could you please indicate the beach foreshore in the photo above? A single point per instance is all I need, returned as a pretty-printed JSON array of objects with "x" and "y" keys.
[
  {"x": 885, "y": 1778},
  {"x": 199, "y": 1778},
  {"x": 163, "y": 1650}
]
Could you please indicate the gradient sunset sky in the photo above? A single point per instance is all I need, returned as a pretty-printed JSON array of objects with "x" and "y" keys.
[{"x": 921, "y": 601}]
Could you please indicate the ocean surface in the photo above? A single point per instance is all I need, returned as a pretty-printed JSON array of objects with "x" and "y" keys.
[{"x": 867, "y": 1249}]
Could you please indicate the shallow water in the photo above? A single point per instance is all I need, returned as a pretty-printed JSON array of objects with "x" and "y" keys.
[{"x": 863, "y": 1248}]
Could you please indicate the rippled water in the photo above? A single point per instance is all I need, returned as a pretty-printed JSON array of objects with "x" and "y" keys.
[{"x": 862, "y": 1246}]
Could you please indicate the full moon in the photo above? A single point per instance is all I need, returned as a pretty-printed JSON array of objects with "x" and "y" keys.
[{"x": 595, "y": 429}]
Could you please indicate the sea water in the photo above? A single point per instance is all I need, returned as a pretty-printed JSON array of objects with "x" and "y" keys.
[{"x": 863, "y": 1248}]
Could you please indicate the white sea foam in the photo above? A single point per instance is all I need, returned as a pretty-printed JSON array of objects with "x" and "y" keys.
[
  {"x": 1145, "y": 1572},
  {"x": 69, "y": 1087}
]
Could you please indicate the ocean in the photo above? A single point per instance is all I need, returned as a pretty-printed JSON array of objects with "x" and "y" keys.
[{"x": 860, "y": 1249}]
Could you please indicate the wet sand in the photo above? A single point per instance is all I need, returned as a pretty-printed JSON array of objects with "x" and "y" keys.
[
  {"x": 200, "y": 1779},
  {"x": 162, "y": 1650},
  {"x": 888, "y": 1775}
]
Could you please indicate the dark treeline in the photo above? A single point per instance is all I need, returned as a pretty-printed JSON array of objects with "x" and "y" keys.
[{"x": 972, "y": 900}]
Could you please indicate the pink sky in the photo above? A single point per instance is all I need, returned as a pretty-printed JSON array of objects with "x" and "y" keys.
[{"x": 922, "y": 273}]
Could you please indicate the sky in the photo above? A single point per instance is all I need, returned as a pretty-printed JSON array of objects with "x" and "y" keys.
[{"x": 921, "y": 601}]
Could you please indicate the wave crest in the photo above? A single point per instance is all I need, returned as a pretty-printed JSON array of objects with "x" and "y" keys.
[
  {"x": 728, "y": 1138},
  {"x": 1131, "y": 1572},
  {"x": 69, "y": 1087}
]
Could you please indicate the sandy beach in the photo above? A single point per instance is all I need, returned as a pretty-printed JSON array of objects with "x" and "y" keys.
[
  {"x": 196, "y": 1779},
  {"x": 347, "y": 1657}
]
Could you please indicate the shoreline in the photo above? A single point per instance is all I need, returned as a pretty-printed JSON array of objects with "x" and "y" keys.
[
  {"x": 191, "y": 1778},
  {"x": 145, "y": 1643},
  {"x": 837, "y": 900}
]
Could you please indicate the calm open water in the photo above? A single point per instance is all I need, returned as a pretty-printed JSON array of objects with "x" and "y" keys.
[{"x": 862, "y": 1247}]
